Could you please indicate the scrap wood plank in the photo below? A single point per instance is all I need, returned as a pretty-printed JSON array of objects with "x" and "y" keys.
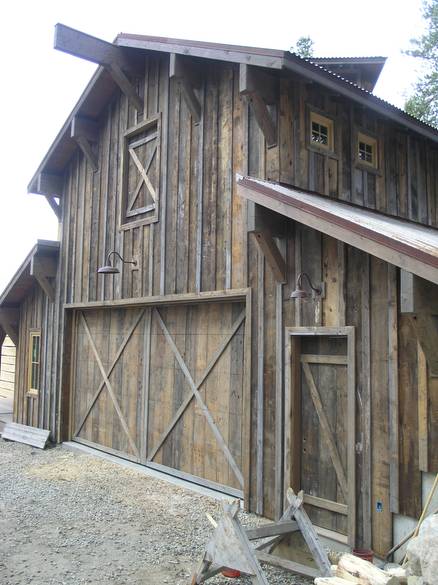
[{"x": 27, "y": 435}]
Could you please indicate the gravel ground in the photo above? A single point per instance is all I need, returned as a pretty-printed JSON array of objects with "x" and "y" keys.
[{"x": 70, "y": 518}]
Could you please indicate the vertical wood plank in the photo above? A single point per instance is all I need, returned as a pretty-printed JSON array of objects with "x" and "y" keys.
[
  {"x": 423, "y": 416},
  {"x": 393, "y": 390}
]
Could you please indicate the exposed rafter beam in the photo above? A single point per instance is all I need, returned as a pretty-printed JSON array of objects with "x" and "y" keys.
[
  {"x": 113, "y": 58},
  {"x": 56, "y": 207},
  {"x": 85, "y": 131},
  {"x": 9, "y": 319},
  {"x": 43, "y": 268},
  {"x": 79, "y": 44},
  {"x": 188, "y": 77},
  {"x": 49, "y": 185},
  {"x": 259, "y": 89}
]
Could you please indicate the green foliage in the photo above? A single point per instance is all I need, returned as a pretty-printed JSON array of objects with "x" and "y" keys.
[
  {"x": 423, "y": 103},
  {"x": 303, "y": 47}
]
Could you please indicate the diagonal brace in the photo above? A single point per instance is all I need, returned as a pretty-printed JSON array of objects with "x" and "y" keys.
[{"x": 201, "y": 403}]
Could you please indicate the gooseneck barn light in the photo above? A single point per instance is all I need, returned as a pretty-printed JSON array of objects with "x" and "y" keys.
[
  {"x": 109, "y": 268},
  {"x": 300, "y": 293}
]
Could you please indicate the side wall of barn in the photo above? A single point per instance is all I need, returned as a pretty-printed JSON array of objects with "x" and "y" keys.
[
  {"x": 200, "y": 243},
  {"x": 36, "y": 315}
]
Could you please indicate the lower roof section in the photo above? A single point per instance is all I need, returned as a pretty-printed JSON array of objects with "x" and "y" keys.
[
  {"x": 24, "y": 279},
  {"x": 400, "y": 242}
]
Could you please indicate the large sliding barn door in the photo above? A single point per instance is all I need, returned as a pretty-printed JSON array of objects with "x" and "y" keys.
[
  {"x": 320, "y": 454},
  {"x": 164, "y": 386},
  {"x": 196, "y": 379}
]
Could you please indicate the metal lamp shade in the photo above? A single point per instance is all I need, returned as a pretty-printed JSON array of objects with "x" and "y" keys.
[
  {"x": 299, "y": 293},
  {"x": 108, "y": 270}
]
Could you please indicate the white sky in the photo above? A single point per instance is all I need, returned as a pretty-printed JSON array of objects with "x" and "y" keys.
[{"x": 40, "y": 86}]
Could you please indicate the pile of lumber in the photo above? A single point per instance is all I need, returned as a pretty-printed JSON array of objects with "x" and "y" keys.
[{"x": 352, "y": 570}]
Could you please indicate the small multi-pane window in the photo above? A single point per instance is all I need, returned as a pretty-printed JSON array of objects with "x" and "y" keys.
[
  {"x": 34, "y": 362},
  {"x": 367, "y": 150},
  {"x": 321, "y": 131}
]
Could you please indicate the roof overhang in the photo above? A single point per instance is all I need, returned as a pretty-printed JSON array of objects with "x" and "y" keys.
[
  {"x": 409, "y": 246},
  {"x": 39, "y": 267},
  {"x": 102, "y": 86},
  {"x": 24, "y": 279},
  {"x": 368, "y": 68}
]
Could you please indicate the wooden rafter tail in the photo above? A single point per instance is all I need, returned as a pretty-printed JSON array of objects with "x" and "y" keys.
[{"x": 115, "y": 59}]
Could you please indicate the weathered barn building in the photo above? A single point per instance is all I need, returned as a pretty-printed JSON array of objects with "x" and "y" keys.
[{"x": 222, "y": 173}]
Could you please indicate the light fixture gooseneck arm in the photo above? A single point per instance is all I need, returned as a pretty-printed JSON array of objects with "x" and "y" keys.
[
  {"x": 117, "y": 254},
  {"x": 300, "y": 282}
]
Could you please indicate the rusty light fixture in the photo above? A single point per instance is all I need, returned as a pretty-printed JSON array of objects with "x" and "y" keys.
[
  {"x": 109, "y": 268},
  {"x": 301, "y": 293}
]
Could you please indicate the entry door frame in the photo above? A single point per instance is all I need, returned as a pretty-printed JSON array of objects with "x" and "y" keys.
[{"x": 292, "y": 422}]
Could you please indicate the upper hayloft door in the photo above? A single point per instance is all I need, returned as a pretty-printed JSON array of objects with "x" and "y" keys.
[{"x": 320, "y": 435}]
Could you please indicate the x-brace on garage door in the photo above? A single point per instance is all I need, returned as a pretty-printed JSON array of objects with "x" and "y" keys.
[{"x": 164, "y": 386}]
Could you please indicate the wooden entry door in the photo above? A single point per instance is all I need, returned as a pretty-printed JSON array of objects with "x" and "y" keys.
[
  {"x": 320, "y": 431},
  {"x": 165, "y": 386}
]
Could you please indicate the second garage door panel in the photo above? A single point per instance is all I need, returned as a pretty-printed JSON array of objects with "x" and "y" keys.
[{"x": 195, "y": 391}]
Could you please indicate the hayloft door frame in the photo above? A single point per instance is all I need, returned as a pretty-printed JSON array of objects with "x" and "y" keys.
[{"x": 292, "y": 428}]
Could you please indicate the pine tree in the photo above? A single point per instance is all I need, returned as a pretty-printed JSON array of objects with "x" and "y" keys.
[
  {"x": 423, "y": 103},
  {"x": 303, "y": 47}
]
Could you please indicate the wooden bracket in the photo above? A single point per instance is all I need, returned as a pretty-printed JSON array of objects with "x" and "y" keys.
[
  {"x": 265, "y": 224},
  {"x": 56, "y": 207},
  {"x": 259, "y": 89},
  {"x": 188, "y": 77},
  {"x": 272, "y": 255},
  {"x": 49, "y": 185},
  {"x": 419, "y": 299},
  {"x": 85, "y": 131},
  {"x": 9, "y": 320},
  {"x": 126, "y": 86},
  {"x": 43, "y": 268},
  {"x": 115, "y": 59}
]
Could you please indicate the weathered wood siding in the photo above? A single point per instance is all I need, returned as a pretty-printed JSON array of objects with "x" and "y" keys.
[
  {"x": 7, "y": 367},
  {"x": 200, "y": 243},
  {"x": 36, "y": 312}
]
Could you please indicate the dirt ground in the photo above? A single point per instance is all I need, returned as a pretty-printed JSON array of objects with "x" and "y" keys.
[{"x": 69, "y": 518}]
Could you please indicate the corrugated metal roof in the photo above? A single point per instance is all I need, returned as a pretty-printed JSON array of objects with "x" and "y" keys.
[
  {"x": 100, "y": 86},
  {"x": 403, "y": 243}
]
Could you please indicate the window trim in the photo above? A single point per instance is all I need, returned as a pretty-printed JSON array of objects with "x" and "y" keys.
[
  {"x": 321, "y": 119},
  {"x": 32, "y": 333},
  {"x": 370, "y": 141},
  {"x": 125, "y": 221}
]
